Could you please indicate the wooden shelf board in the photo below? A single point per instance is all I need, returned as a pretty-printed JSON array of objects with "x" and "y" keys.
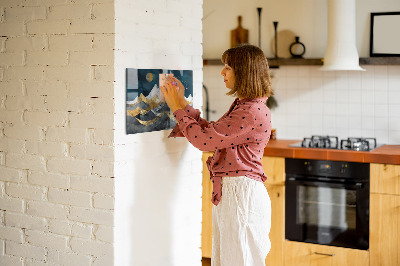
[{"x": 276, "y": 62}]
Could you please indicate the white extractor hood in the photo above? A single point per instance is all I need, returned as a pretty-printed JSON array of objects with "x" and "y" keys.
[{"x": 341, "y": 51}]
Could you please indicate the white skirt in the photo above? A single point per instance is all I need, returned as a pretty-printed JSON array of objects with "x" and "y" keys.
[{"x": 241, "y": 223}]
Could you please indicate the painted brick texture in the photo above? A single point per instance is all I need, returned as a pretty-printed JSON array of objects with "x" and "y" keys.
[
  {"x": 157, "y": 180},
  {"x": 56, "y": 132}
]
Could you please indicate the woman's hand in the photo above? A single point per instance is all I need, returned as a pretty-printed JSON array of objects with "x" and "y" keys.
[
  {"x": 181, "y": 90},
  {"x": 174, "y": 91}
]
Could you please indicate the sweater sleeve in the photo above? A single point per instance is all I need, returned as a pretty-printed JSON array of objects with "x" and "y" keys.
[
  {"x": 229, "y": 131},
  {"x": 193, "y": 113}
]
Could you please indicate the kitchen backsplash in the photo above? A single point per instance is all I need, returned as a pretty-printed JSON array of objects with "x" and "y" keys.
[{"x": 314, "y": 102}]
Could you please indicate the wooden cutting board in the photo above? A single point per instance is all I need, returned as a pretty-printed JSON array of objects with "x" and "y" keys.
[{"x": 239, "y": 35}]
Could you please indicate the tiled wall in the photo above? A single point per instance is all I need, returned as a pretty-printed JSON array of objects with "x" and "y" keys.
[{"x": 313, "y": 102}]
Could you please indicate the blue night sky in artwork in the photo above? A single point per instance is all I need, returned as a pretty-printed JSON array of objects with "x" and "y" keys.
[{"x": 137, "y": 80}]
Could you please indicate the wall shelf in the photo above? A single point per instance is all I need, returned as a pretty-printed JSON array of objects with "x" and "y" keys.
[
  {"x": 380, "y": 61},
  {"x": 274, "y": 63}
]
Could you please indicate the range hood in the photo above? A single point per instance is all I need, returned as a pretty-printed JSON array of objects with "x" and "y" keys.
[{"x": 341, "y": 51}]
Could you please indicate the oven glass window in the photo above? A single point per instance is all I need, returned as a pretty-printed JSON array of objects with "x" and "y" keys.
[{"x": 326, "y": 207}]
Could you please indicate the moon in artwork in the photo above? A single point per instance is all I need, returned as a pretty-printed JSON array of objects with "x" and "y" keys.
[{"x": 149, "y": 77}]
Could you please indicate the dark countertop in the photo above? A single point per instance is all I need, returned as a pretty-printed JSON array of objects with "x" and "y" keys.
[{"x": 389, "y": 154}]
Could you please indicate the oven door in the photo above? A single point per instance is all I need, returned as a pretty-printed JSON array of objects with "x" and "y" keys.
[{"x": 327, "y": 213}]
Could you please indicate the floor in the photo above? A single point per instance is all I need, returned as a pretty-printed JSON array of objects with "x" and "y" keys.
[{"x": 206, "y": 261}]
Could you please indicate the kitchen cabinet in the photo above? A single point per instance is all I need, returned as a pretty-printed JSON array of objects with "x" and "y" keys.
[
  {"x": 385, "y": 178},
  {"x": 274, "y": 168},
  {"x": 305, "y": 254},
  {"x": 206, "y": 225},
  {"x": 385, "y": 214}
]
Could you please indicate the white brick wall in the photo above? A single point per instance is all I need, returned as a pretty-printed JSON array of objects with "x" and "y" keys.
[
  {"x": 56, "y": 132},
  {"x": 156, "y": 177}
]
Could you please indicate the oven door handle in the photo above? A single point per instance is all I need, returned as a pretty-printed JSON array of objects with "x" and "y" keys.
[{"x": 357, "y": 185}]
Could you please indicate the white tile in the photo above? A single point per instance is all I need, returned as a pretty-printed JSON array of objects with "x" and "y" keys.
[
  {"x": 317, "y": 107},
  {"x": 328, "y": 74},
  {"x": 394, "y": 97},
  {"x": 355, "y": 109},
  {"x": 394, "y": 123},
  {"x": 317, "y": 131},
  {"x": 394, "y": 137},
  {"x": 329, "y": 109},
  {"x": 291, "y": 71},
  {"x": 355, "y": 96},
  {"x": 381, "y": 97},
  {"x": 342, "y": 81},
  {"x": 367, "y": 83},
  {"x": 382, "y": 123},
  {"x": 304, "y": 109},
  {"x": 292, "y": 83},
  {"x": 278, "y": 84},
  {"x": 355, "y": 122},
  {"x": 329, "y": 121},
  {"x": 303, "y": 82},
  {"x": 368, "y": 110},
  {"x": 342, "y": 96},
  {"x": 367, "y": 133},
  {"x": 354, "y": 84},
  {"x": 381, "y": 110},
  {"x": 394, "y": 70},
  {"x": 329, "y": 95},
  {"x": 355, "y": 132},
  {"x": 382, "y": 136},
  {"x": 394, "y": 83},
  {"x": 317, "y": 121},
  {"x": 381, "y": 71},
  {"x": 304, "y": 72},
  {"x": 369, "y": 70},
  {"x": 394, "y": 110},
  {"x": 317, "y": 95},
  {"x": 367, "y": 96},
  {"x": 342, "y": 133},
  {"x": 316, "y": 82},
  {"x": 342, "y": 122},
  {"x": 316, "y": 72},
  {"x": 381, "y": 84},
  {"x": 279, "y": 72},
  {"x": 368, "y": 122},
  {"x": 342, "y": 109}
]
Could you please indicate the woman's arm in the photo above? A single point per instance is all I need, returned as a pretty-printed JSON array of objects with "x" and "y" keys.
[
  {"x": 174, "y": 94},
  {"x": 239, "y": 127}
]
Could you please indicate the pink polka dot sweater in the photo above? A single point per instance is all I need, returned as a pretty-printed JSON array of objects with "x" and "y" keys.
[{"x": 238, "y": 139}]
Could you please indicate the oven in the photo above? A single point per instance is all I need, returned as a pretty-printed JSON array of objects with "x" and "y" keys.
[{"x": 327, "y": 202}]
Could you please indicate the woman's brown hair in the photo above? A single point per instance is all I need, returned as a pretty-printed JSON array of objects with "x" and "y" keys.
[{"x": 250, "y": 66}]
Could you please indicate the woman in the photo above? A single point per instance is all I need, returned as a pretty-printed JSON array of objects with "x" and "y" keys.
[{"x": 242, "y": 208}]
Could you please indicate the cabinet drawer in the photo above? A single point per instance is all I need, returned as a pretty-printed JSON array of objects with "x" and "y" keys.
[{"x": 304, "y": 254}]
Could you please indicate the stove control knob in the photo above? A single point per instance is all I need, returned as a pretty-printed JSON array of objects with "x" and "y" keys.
[
  {"x": 308, "y": 166},
  {"x": 343, "y": 168}
]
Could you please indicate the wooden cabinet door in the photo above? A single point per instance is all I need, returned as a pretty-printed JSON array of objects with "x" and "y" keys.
[
  {"x": 277, "y": 233},
  {"x": 385, "y": 178},
  {"x": 274, "y": 168},
  {"x": 384, "y": 236},
  {"x": 304, "y": 254},
  {"x": 206, "y": 226}
]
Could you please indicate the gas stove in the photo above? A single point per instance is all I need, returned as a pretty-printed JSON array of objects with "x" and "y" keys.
[{"x": 332, "y": 142}]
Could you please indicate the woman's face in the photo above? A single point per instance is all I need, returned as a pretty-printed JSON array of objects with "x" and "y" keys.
[{"x": 229, "y": 76}]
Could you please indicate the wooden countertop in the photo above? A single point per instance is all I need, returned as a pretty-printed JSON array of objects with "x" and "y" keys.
[{"x": 389, "y": 154}]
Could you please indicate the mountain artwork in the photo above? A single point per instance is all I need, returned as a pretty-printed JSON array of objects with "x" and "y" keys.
[{"x": 146, "y": 109}]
